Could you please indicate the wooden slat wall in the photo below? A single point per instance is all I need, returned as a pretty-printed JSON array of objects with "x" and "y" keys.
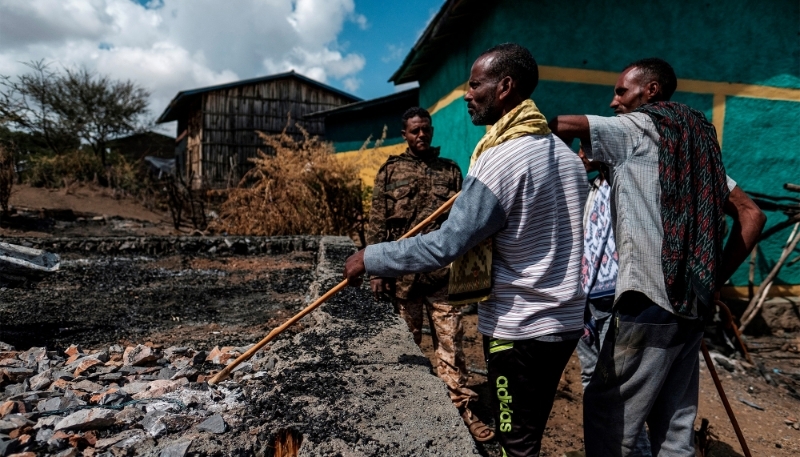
[
  {"x": 232, "y": 116},
  {"x": 194, "y": 162}
]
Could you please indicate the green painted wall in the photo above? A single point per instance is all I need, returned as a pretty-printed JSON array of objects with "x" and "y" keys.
[
  {"x": 739, "y": 41},
  {"x": 348, "y": 133}
]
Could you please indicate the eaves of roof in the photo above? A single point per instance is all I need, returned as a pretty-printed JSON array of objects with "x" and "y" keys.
[
  {"x": 177, "y": 104},
  {"x": 367, "y": 105},
  {"x": 454, "y": 20}
]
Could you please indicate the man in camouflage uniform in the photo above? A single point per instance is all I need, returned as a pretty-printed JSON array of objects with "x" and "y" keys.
[{"x": 408, "y": 188}]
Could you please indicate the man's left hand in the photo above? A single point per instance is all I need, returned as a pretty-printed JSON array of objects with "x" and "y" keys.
[{"x": 354, "y": 268}]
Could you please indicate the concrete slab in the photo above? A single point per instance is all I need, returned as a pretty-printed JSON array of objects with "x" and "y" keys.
[{"x": 355, "y": 384}]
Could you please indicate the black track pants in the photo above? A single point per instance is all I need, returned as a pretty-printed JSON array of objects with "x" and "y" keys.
[{"x": 524, "y": 377}]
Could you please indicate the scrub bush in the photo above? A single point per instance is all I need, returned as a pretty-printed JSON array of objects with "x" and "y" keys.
[{"x": 295, "y": 187}]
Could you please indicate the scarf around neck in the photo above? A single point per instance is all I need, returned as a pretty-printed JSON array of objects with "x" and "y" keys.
[{"x": 471, "y": 274}]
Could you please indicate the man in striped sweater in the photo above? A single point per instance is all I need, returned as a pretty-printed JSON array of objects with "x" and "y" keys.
[{"x": 526, "y": 191}]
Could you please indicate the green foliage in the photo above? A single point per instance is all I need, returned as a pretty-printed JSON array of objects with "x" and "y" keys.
[
  {"x": 61, "y": 109},
  {"x": 82, "y": 165},
  {"x": 52, "y": 171}
]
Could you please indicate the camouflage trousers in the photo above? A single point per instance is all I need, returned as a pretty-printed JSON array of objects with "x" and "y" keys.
[{"x": 447, "y": 333}]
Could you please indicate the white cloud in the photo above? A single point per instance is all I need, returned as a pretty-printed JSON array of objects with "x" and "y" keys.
[
  {"x": 361, "y": 20},
  {"x": 394, "y": 52},
  {"x": 352, "y": 84},
  {"x": 174, "y": 45}
]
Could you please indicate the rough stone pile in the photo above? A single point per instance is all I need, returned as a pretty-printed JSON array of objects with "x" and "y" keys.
[
  {"x": 155, "y": 245},
  {"x": 109, "y": 402}
]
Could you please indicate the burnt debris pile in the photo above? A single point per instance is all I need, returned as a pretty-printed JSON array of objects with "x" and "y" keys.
[{"x": 348, "y": 381}]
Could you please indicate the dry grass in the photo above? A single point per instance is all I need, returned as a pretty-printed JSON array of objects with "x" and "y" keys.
[
  {"x": 300, "y": 188},
  {"x": 7, "y": 176}
]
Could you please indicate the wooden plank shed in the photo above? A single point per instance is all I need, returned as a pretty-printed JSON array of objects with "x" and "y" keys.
[{"x": 217, "y": 125}]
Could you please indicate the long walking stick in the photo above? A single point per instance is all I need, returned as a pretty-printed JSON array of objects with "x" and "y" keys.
[
  {"x": 724, "y": 398},
  {"x": 222, "y": 375},
  {"x": 729, "y": 323}
]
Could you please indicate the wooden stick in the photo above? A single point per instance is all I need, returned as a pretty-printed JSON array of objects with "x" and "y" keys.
[
  {"x": 222, "y": 375},
  {"x": 751, "y": 276},
  {"x": 724, "y": 398},
  {"x": 755, "y": 304},
  {"x": 731, "y": 324},
  {"x": 791, "y": 187}
]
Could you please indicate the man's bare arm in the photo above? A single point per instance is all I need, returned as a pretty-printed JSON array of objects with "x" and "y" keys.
[
  {"x": 570, "y": 127},
  {"x": 748, "y": 221}
]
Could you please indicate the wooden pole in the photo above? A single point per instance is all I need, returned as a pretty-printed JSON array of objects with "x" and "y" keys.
[
  {"x": 731, "y": 324},
  {"x": 724, "y": 398},
  {"x": 222, "y": 375},
  {"x": 755, "y": 304},
  {"x": 751, "y": 276}
]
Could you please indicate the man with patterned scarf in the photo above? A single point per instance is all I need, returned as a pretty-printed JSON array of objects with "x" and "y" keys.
[
  {"x": 670, "y": 195},
  {"x": 519, "y": 220}
]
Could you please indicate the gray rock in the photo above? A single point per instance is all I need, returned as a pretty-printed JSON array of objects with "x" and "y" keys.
[
  {"x": 175, "y": 350},
  {"x": 71, "y": 452},
  {"x": 214, "y": 424},
  {"x": 138, "y": 356},
  {"x": 33, "y": 356},
  {"x": 115, "y": 398},
  {"x": 62, "y": 374},
  {"x": 7, "y": 447},
  {"x": 153, "y": 424},
  {"x": 244, "y": 367},
  {"x": 188, "y": 372},
  {"x": 116, "y": 349},
  {"x": 176, "y": 449},
  {"x": 44, "y": 434},
  {"x": 13, "y": 421},
  {"x": 72, "y": 366},
  {"x": 104, "y": 443},
  {"x": 87, "y": 419},
  {"x": 129, "y": 415},
  {"x": 111, "y": 377},
  {"x": 41, "y": 380},
  {"x": 47, "y": 421},
  {"x": 88, "y": 386},
  {"x": 166, "y": 373},
  {"x": 52, "y": 404},
  {"x": 136, "y": 387},
  {"x": 15, "y": 389},
  {"x": 6, "y": 426},
  {"x": 131, "y": 440}
]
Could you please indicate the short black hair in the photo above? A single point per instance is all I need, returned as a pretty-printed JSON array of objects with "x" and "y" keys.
[
  {"x": 511, "y": 59},
  {"x": 415, "y": 111},
  {"x": 660, "y": 71}
]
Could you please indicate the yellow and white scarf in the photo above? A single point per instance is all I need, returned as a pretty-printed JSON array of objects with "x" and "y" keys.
[{"x": 471, "y": 274}]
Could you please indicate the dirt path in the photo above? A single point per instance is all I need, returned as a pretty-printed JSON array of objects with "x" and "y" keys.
[{"x": 766, "y": 432}]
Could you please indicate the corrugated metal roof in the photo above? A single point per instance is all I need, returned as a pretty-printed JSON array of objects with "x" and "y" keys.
[{"x": 177, "y": 104}]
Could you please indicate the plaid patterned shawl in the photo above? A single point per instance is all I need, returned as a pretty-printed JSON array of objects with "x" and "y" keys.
[{"x": 693, "y": 191}]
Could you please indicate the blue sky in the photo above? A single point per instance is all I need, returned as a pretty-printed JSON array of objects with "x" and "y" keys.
[
  {"x": 167, "y": 46},
  {"x": 393, "y": 28}
]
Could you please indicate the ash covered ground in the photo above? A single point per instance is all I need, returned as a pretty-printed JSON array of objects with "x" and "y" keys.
[
  {"x": 102, "y": 300},
  {"x": 111, "y": 356}
]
